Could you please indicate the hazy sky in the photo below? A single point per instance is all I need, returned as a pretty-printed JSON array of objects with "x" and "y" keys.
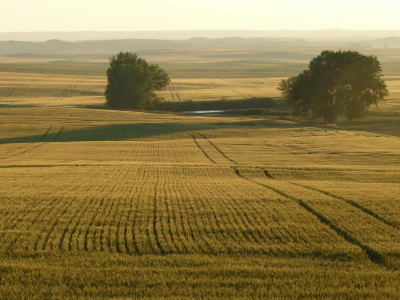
[{"x": 138, "y": 15}]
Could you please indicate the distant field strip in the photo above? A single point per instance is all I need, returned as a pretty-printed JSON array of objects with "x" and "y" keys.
[
  {"x": 57, "y": 86},
  {"x": 67, "y": 90},
  {"x": 220, "y": 88}
]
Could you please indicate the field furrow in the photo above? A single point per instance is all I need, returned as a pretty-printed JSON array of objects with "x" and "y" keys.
[
  {"x": 380, "y": 200},
  {"x": 201, "y": 148},
  {"x": 355, "y": 204},
  {"x": 379, "y": 241}
]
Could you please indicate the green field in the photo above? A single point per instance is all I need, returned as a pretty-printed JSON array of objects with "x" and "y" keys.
[{"x": 101, "y": 204}]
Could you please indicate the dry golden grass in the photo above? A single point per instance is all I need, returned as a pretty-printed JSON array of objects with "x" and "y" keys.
[
  {"x": 72, "y": 90},
  {"x": 182, "y": 89},
  {"x": 100, "y": 204},
  {"x": 67, "y": 90}
]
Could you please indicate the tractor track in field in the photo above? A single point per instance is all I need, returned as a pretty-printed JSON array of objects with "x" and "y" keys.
[
  {"x": 44, "y": 136},
  {"x": 6, "y": 94},
  {"x": 212, "y": 144},
  {"x": 12, "y": 150},
  {"x": 32, "y": 148},
  {"x": 214, "y": 84},
  {"x": 202, "y": 150},
  {"x": 373, "y": 255},
  {"x": 41, "y": 141},
  {"x": 58, "y": 134},
  {"x": 352, "y": 203},
  {"x": 244, "y": 95},
  {"x": 11, "y": 90},
  {"x": 69, "y": 90}
]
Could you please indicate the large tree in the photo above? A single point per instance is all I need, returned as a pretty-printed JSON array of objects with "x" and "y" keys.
[
  {"x": 132, "y": 82},
  {"x": 342, "y": 82}
]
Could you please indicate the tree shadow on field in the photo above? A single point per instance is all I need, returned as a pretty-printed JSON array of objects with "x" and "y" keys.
[
  {"x": 16, "y": 105},
  {"x": 123, "y": 132}
]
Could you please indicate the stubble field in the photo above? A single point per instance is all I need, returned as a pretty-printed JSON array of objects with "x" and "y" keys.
[{"x": 100, "y": 204}]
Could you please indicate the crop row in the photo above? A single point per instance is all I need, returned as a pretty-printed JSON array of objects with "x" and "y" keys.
[{"x": 160, "y": 210}]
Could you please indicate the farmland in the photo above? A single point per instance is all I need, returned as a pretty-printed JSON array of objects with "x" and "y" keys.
[
  {"x": 100, "y": 204},
  {"x": 56, "y": 90},
  {"x": 72, "y": 90}
]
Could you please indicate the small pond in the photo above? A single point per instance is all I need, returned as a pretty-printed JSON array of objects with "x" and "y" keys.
[{"x": 203, "y": 112}]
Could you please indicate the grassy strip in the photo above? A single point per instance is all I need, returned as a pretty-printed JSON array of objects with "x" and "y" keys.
[{"x": 190, "y": 105}]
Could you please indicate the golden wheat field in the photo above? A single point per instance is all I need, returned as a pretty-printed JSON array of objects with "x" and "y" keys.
[
  {"x": 107, "y": 204},
  {"x": 56, "y": 90},
  {"x": 72, "y": 90}
]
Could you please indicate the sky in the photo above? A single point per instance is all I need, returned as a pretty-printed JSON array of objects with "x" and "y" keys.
[{"x": 155, "y": 15}]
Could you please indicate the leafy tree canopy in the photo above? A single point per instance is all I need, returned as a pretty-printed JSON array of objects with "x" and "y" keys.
[
  {"x": 342, "y": 82},
  {"x": 132, "y": 82}
]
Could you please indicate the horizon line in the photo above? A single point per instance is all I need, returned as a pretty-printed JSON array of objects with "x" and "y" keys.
[{"x": 179, "y": 30}]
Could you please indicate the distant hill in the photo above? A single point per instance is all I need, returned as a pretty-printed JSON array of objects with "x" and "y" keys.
[
  {"x": 135, "y": 45},
  {"x": 392, "y": 41},
  {"x": 183, "y": 35},
  {"x": 57, "y": 46}
]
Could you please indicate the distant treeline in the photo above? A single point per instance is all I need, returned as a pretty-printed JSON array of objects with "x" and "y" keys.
[{"x": 190, "y": 105}]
